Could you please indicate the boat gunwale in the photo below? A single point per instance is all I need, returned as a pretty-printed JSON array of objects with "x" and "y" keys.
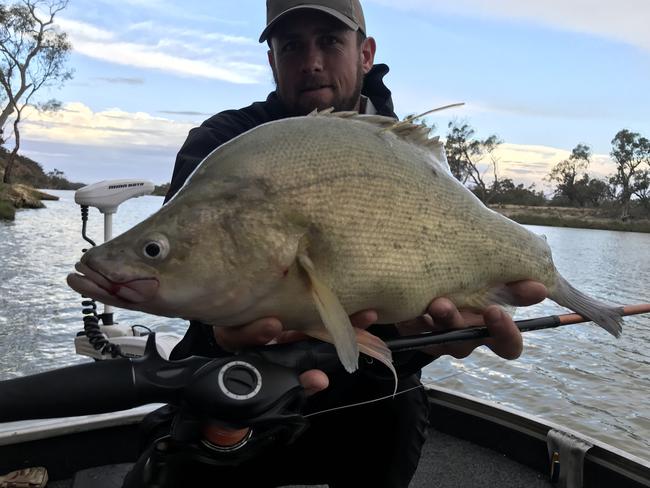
[
  {"x": 33, "y": 430},
  {"x": 601, "y": 453}
]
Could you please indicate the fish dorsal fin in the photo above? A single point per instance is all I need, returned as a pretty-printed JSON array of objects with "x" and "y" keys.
[{"x": 405, "y": 129}]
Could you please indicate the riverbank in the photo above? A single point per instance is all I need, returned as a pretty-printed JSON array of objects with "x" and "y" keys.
[
  {"x": 13, "y": 197},
  {"x": 578, "y": 218}
]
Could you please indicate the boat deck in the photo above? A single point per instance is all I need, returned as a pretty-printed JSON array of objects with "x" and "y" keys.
[{"x": 447, "y": 462}]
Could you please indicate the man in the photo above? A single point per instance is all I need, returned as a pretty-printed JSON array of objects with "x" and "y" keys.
[{"x": 321, "y": 57}]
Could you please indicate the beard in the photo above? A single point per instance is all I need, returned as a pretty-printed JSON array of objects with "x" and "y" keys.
[{"x": 297, "y": 107}]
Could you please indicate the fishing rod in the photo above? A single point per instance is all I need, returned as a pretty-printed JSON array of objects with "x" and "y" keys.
[{"x": 409, "y": 343}]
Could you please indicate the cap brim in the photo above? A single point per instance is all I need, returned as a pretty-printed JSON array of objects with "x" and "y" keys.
[{"x": 334, "y": 13}]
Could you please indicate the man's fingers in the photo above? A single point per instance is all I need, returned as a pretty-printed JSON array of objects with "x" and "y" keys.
[
  {"x": 505, "y": 338},
  {"x": 459, "y": 350},
  {"x": 264, "y": 330},
  {"x": 527, "y": 292},
  {"x": 423, "y": 323},
  {"x": 256, "y": 333},
  {"x": 292, "y": 336},
  {"x": 364, "y": 318},
  {"x": 445, "y": 315},
  {"x": 314, "y": 381}
]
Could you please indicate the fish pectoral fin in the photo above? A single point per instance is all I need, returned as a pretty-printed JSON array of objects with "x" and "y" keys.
[
  {"x": 334, "y": 317},
  {"x": 368, "y": 343}
]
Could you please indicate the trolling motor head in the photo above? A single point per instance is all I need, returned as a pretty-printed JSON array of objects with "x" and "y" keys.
[{"x": 107, "y": 195}]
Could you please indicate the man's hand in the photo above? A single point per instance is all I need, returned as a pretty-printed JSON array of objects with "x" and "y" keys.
[
  {"x": 505, "y": 338},
  {"x": 265, "y": 330}
]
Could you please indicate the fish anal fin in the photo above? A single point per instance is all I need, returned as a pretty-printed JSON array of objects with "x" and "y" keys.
[
  {"x": 334, "y": 317},
  {"x": 373, "y": 346},
  {"x": 368, "y": 343}
]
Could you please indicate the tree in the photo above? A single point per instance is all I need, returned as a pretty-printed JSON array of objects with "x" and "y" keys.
[
  {"x": 32, "y": 56},
  {"x": 505, "y": 192},
  {"x": 466, "y": 157},
  {"x": 641, "y": 187},
  {"x": 591, "y": 191},
  {"x": 631, "y": 153},
  {"x": 565, "y": 174}
]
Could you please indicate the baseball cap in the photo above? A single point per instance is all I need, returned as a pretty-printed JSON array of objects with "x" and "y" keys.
[{"x": 347, "y": 11}]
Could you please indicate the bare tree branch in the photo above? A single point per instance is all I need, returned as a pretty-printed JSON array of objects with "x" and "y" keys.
[
  {"x": 466, "y": 154},
  {"x": 33, "y": 55}
]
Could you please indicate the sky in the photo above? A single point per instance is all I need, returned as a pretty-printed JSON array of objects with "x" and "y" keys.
[{"x": 542, "y": 75}]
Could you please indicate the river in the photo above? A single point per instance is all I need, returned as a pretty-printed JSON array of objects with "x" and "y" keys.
[{"x": 578, "y": 376}]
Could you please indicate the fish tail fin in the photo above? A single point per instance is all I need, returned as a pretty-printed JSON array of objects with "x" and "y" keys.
[{"x": 607, "y": 316}]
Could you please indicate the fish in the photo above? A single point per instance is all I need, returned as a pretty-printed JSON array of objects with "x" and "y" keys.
[{"x": 311, "y": 219}]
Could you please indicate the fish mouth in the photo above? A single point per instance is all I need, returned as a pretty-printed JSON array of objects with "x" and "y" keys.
[{"x": 125, "y": 294}]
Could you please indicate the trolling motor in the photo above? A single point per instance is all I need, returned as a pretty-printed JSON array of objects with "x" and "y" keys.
[{"x": 102, "y": 338}]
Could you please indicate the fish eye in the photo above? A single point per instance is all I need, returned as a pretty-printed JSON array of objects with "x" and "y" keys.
[{"x": 156, "y": 249}]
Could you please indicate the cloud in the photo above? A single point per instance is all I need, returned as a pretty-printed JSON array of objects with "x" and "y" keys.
[
  {"x": 205, "y": 55},
  {"x": 624, "y": 20},
  {"x": 78, "y": 124},
  {"x": 76, "y": 29},
  {"x": 193, "y": 34},
  {"x": 90, "y": 145},
  {"x": 124, "y": 81},
  {"x": 531, "y": 164},
  {"x": 184, "y": 112}
]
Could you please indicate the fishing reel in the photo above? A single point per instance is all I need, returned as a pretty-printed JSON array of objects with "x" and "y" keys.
[
  {"x": 259, "y": 407},
  {"x": 232, "y": 410}
]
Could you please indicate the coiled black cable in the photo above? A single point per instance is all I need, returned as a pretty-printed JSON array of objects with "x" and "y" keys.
[
  {"x": 91, "y": 319},
  {"x": 84, "y": 222}
]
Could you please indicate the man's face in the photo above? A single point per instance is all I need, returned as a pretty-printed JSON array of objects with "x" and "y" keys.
[{"x": 317, "y": 62}]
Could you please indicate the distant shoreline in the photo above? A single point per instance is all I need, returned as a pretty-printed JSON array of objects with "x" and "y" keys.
[{"x": 579, "y": 218}]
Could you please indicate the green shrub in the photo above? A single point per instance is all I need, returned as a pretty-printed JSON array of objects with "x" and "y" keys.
[{"x": 7, "y": 210}]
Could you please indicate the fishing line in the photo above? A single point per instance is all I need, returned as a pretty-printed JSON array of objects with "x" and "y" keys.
[{"x": 401, "y": 392}]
